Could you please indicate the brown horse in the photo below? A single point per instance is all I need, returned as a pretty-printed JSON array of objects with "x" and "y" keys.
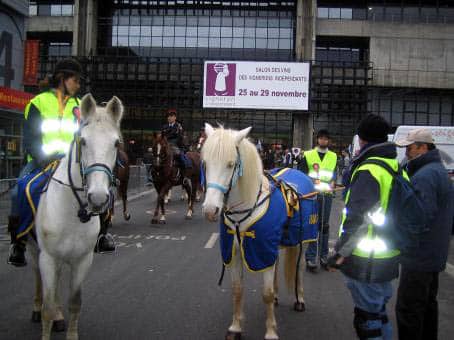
[
  {"x": 166, "y": 175},
  {"x": 121, "y": 172}
]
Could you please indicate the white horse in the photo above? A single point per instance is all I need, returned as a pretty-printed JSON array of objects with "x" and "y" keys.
[
  {"x": 65, "y": 228},
  {"x": 234, "y": 186}
]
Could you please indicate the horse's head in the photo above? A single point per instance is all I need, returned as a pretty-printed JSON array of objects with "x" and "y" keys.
[
  {"x": 225, "y": 154},
  {"x": 99, "y": 140},
  {"x": 159, "y": 150}
]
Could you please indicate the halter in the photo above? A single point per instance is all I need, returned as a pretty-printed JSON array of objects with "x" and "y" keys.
[{"x": 83, "y": 214}]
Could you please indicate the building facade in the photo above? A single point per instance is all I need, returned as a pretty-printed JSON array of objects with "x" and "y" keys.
[{"x": 391, "y": 57}]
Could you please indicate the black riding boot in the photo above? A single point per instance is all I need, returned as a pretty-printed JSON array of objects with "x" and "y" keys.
[
  {"x": 16, "y": 256},
  {"x": 105, "y": 243}
]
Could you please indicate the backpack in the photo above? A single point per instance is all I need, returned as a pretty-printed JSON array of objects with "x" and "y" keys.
[{"x": 406, "y": 219}]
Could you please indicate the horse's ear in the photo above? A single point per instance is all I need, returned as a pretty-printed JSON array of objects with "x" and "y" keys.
[
  {"x": 208, "y": 129},
  {"x": 240, "y": 135},
  {"x": 87, "y": 106},
  {"x": 115, "y": 108}
]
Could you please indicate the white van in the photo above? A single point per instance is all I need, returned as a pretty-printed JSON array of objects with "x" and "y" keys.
[
  {"x": 443, "y": 138},
  {"x": 355, "y": 144}
]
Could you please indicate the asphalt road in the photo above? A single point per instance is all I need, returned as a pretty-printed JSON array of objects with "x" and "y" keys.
[{"x": 162, "y": 284}]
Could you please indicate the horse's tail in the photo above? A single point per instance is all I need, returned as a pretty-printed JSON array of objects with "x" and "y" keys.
[{"x": 291, "y": 256}]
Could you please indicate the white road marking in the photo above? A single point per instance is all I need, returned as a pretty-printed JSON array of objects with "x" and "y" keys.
[
  {"x": 212, "y": 240},
  {"x": 449, "y": 269}
]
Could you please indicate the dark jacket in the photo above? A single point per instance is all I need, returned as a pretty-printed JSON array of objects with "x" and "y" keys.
[
  {"x": 364, "y": 196},
  {"x": 174, "y": 134},
  {"x": 432, "y": 184}
]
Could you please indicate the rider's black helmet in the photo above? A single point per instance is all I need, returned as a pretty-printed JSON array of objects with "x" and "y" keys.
[{"x": 68, "y": 66}]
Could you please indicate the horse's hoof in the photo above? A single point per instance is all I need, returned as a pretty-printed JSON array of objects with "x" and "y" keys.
[
  {"x": 58, "y": 326},
  {"x": 154, "y": 221},
  {"x": 36, "y": 316},
  {"x": 127, "y": 216},
  {"x": 233, "y": 336},
  {"x": 299, "y": 306},
  {"x": 276, "y": 301}
]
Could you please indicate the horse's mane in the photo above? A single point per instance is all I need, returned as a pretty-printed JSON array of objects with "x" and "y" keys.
[{"x": 221, "y": 146}]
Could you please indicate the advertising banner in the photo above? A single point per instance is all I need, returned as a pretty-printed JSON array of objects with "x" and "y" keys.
[
  {"x": 14, "y": 99},
  {"x": 31, "y": 58},
  {"x": 256, "y": 85}
]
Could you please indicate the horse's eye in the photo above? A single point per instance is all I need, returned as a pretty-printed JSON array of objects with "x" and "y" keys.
[
  {"x": 82, "y": 141},
  {"x": 230, "y": 165}
]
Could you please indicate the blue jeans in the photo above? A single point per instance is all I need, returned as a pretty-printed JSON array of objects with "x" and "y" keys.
[
  {"x": 324, "y": 210},
  {"x": 26, "y": 170},
  {"x": 372, "y": 299}
]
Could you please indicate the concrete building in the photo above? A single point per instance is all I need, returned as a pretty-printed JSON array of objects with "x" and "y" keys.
[
  {"x": 12, "y": 35},
  {"x": 394, "y": 58}
]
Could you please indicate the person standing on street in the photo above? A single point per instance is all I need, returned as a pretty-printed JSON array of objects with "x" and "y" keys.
[
  {"x": 320, "y": 164},
  {"x": 363, "y": 253},
  {"x": 417, "y": 306}
]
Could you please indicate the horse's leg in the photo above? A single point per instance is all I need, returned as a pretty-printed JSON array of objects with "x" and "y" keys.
[
  {"x": 268, "y": 300},
  {"x": 124, "y": 197},
  {"x": 168, "y": 196},
  {"x": 299, "y": 304},
  {"x": 190, "y": 191},
  {"x": 166, "y": 188},
  {"x": 78, "y": 273},
  {"x": 276, "y": 282},
  {"x": 38, "y": 299},
  {"x": 48, "y": 268},
  {"x": 236, "y": 271},
  {"x": 154, "y": 220}
]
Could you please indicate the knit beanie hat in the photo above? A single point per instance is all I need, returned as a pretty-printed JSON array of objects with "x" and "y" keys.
[
  {"x": 373, "y": 129},
  {"x": 323, "y": 133}
]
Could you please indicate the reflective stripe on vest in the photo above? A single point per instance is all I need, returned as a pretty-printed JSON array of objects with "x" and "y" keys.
[
  {"x": 372, "y": 243},
  {"x": 326, "y": 167},
  {"x": 57, "y": 131}
]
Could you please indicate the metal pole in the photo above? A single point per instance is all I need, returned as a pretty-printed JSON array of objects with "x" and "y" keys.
[{"x": 320, "y": 234}]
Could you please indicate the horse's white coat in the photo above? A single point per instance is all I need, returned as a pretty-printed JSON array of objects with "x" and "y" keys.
[{"x": 62, "y": 238}]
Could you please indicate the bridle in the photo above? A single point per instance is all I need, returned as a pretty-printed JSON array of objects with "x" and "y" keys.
[{"x": 82, "y": 213}]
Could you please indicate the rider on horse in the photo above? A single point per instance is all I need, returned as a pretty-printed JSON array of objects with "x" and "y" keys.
[
  {"x": 51, "y": 119},
  {"x": 173, "y": 131}
]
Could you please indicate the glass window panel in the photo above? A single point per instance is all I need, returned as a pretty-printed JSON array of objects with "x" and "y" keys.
[
  {"x": 226, "y": 42},
  {"x": 273, "y": 32},
  {"x": 156, "y": 30},
  {"x": 238, "y": 31},
  {"x": 55, "y": 10},
  {"x": 169, "y": 31},
  {"x": 215, "y": 21},
  {"x": 169, "y": 20},
  {"x": 285, "y": 44},
  {"x": 226, "y": 31},
  {"x": 273, "y": 43},
  {"x": 168, "y": 42},
  {"x": 180, "y": 21},
  {"x": 180, "y": 42},
  {"x": 285, "y": 23},
  {"x": 122, "y": 41},
  {"x": 67, "y": 10},
  {"x": 262, "y": 22},
  {"x": 146, "y": 20},
  {"x": 215, "y": 42},
  {"x": 215, "y": 31},
  {"x": 156, "y": 41},
  {"x": 249, "y": 43},
  {"x": 33, "y": 10},
  {"x": 261, "y": 32},
  {"x": 250, "y": 22},
  {"x": 346, "y": 13},
  {"x": 429, "y": 14},
  {"x": 334, "y": 13},
  {"x": 134, "y": 20},
  {"x": 180, "y": 31},
  {"x": 134, "y": 30},
  {"x": 192, "y": 21},
  {"x": 158, "y": 21},
  {"x": 260, "y": 43},
  {"x": 227, "y": 21},
  {"x": 322, "y": 12},
  {"x": 238, "y": 21},
  {"x": 393, "y": 13},
  {"x": 250, "y": 32},
  {"x": 145, "y": 30},
  {"x": 203, "y": 42},
  {"x": 411, "y": 14},
  {"x": 204, "y": 21},
  {"x": 44, "y": 10},
  {"x": 375, "y": 13},
  {"x": 191, "y": 31},
  {"x": 273, "y": 22},
  {"x": 145, "y": 41},
  {"x": 191, "y": 42},
  {"x": 123, "y": 30},
  {"x": 114, "y": 41},
  {"x": 237, "y": 43},
  {"x": 134, "y": 40},
  {"x": 123, "y": 20},
  {"x": 203, "y": 31},
  {"x": 446, "y": 14},
  {"x": 285, "y": 33},
  {"x": 359, "y": 14}
]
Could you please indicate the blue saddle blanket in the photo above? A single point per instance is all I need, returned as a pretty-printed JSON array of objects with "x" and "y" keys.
[
  {"x": 29, "y": 189},
  {"x": 279, "y": 225}
]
